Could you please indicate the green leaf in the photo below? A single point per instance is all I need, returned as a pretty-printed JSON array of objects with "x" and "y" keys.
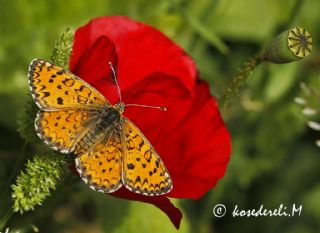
[{"x": 204, "y": 32}]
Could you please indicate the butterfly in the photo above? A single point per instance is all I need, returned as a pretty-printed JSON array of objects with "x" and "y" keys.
[{"x": 110, "y": 151}]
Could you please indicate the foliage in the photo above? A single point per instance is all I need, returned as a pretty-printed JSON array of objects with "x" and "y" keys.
[
  {"x": 25, "y": 121},
  {"x": 41, "y": 176},
  {"x": 62, "y": 49}
]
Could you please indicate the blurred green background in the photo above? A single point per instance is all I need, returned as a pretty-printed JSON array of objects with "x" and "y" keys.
[{"x": 274, "y": 158}]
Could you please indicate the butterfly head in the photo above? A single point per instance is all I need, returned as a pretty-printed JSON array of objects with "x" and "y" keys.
[{"x": 120, "y": 107}]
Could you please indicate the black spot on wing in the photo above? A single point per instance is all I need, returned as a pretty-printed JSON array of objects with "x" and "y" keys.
[
  {"x": 130, "y": 166},
  {"x": 59, "y": 101},
  {"x": 46, "y": 94}
]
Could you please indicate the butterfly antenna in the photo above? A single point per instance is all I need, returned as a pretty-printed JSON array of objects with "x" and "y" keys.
[
  {"x": 147, "y": 106},
  {"x": 115, "y": 79}
]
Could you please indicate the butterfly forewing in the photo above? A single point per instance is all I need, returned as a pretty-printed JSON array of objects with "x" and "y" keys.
[
  {"x": 54, "y": 88},
  {"x": 143, "y": 170}
]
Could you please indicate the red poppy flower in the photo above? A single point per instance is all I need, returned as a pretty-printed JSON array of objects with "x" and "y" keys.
[{"x": 190, "y": 136}]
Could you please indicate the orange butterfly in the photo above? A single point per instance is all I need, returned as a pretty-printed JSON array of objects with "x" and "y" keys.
[{"x": 110, "y": 150}]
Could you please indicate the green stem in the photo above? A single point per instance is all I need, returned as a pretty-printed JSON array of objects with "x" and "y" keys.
[
  {"x": 202, "y": 30},
  {"x": 5, "y": 219},
  {"x": 239, "y": 80},
  {"x": 16, "y": 167},
  {"x": 9, "y": 213}
]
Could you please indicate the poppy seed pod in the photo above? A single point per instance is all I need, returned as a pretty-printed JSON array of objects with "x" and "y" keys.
[{"x": 291, "y": 45}]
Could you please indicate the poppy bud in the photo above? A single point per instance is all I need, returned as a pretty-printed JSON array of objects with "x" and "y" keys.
[{"x": 291, "y": 45}]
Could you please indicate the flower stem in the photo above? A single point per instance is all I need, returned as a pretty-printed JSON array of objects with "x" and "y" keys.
[
  {"x": 14, "y": 170},
  {"x": 239, "y": 80},
  {"x": 288, "y": 46},
  {"x": 9, "y": 213},
  {"x": 5, "y": 218}
]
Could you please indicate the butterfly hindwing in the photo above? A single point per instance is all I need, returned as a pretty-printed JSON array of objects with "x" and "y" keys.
[
  {"x": 63, "y": 129},
  {"x": 100, "y": 167},
  {"x": 54, "y": 88},
  {"x": 143, "y": 170}
]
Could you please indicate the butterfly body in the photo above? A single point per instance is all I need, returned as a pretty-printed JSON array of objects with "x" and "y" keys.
[
  {"x": 110, "y": 150},
  {"x": 107, "y": 120},
  {"x": 109, "y": 117}
]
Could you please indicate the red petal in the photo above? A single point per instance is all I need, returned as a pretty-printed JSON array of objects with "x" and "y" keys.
[
  {"x": 141, "y": 50},
  {"x": 190, "y": 136},
  {"x": 161, "y": 202},
  {"x": 204, "y": 146},
  {"x": 86, "y": 62}
]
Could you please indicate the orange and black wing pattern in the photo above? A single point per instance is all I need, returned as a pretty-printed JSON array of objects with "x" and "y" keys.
[
  {"x": 143, "y": 170},
  {"x": 53, "y": 88},
  {"x": 63, "y": 129},
  {"x": 101, "y": 166}
]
